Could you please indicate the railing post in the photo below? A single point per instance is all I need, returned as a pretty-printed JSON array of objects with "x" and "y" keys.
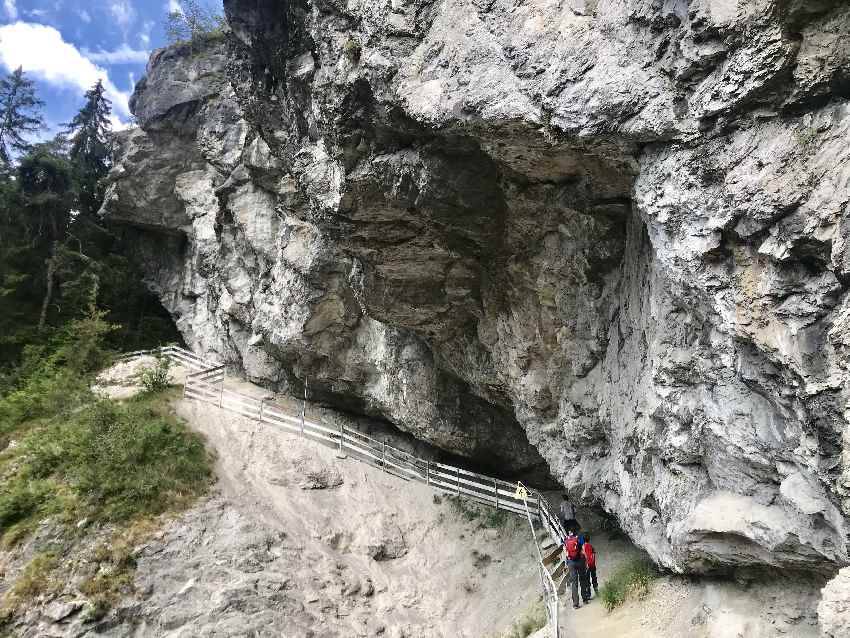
[
  {"x": 457, "y": 474},
  {"x": 383, "y": 454},
  {"x": 304, "y": 407},
  {"x": 428, "y": 472},
  {"x": 221, "y": 394},
  {"x": 496, "y": 492},
  {"x": 341, "y": 435},
  {"x": 262, "y": 402}
]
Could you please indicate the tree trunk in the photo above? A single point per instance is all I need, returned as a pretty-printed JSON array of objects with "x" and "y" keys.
[{"x": 48, "y": 294}]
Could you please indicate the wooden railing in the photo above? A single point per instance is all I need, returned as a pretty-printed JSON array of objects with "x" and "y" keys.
[{"x": 205, "y": 383}]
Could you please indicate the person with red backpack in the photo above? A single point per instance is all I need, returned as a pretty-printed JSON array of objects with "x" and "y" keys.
[
  {"x": 575, "y": 565},
  {"x": 590, "y": 564}
]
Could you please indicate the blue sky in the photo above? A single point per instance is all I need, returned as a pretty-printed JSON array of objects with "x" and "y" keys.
[{"x": 66, "y": 45}]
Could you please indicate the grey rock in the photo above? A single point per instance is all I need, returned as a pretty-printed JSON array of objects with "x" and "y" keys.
[
  {"x": 611, "y": 236},
  {"x": 59, "y": 611},
  {"x": 834, "y": 607}
]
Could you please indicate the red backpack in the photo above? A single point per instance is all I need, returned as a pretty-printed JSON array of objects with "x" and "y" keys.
[
  {"x": 589, "y": 555},
  {"x": 572, "y": 548}
]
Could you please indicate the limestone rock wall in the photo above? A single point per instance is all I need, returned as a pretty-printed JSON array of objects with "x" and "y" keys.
[{"x": 609, "y": 233}]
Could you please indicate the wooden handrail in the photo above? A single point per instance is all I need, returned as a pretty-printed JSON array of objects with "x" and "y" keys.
[{"x": 206, "y": 384}]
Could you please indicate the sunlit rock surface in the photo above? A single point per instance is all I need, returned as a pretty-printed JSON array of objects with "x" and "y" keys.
[{"x": 611, "y": 234}]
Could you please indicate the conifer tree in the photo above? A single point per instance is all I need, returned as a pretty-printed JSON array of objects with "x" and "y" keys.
[
  {"x": 91, "y": 147},
  {"x": 20, "y": 114}
]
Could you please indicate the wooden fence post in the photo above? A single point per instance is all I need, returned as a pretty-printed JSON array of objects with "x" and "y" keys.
[
  {"x": 428, "y": 472},
  {"x": 496, "y": 492},
  {"x": 304, "y": 406},
  {"x": 262, "y": 401},
  {"x": 221, "y": 395},
  {"x": 457, "y": 473}
]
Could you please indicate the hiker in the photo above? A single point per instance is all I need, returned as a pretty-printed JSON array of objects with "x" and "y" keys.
[
  {"x": 575, "y": 565},
  {"x": 568, "y": 516},
  {"x": 590, "y": 564}
]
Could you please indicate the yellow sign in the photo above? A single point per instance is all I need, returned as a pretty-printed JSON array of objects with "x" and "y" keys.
[{"x": 521, "y": 492}]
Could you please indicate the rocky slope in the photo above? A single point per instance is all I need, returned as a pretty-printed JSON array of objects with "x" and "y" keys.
[{"x": 609, "y": 233}]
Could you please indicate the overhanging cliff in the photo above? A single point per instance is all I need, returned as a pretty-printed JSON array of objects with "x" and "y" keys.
[{"x": 615, "y": 230}]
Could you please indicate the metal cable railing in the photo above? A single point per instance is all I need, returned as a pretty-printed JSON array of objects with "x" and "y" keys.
[{"x": 205, "y": 383}]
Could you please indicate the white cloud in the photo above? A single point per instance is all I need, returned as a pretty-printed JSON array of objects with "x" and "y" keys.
[
  {"x": 11, "y": 9},
  {"x": 37, "y": 13},
  {"x": 118, "y": 125},
  {"x": 123, "y": 12},
  {"x": 41, "y": 51},
  {"x": 145, "y": 33},
  {"x": 122, "y": 55},
  {"x": 84, "y": 15},
  {"x": 174, "y": 5}
]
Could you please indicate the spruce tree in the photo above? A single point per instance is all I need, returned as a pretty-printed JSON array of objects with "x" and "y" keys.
[
  {"x": 20, "y": 114},
  {"x": 91, "y": 147}
]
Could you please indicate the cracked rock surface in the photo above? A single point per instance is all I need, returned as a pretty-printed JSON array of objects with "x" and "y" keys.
[{"x": 609, "y": 235}]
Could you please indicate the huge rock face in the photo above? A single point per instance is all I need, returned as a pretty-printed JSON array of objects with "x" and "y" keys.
[{"x": 618, "y": 226}]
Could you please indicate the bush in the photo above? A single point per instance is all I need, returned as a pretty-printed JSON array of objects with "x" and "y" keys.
[
  {"x": 155, "y": 378},
  {"x": 122, "y": 460},
  {"x": 53, "y": 379},
  {"x": 497, "y": 519},
  {"x": 631, "y": 581},
  {"x": 352, "y": 49},
  {"x": 534, "y": 618},
  {"x": 107, "y": 461}
]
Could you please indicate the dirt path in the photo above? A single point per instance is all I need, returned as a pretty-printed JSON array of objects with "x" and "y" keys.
[
  {"x": 363, "y": 553},
  {"x": 297, "y": 542}
]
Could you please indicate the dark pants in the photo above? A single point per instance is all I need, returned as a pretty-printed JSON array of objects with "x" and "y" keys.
[
  {"x": 591, "y": 574},
  {"x": 578, "y": 578},
  {"x": 571, "y": 524}
]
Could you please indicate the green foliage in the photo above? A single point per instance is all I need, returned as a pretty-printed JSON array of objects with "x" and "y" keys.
[
  {"x": 194, "y": 23},
  {"x": 115, "y": 564},
  {"x": 806, "y": 135},
  {"x": 155, "y": 378},
  {"x": 485, "y": 516},
  {"x": 53, "y": 379},
  {"x": 630, "y": 581},
  {"x": 534, "y": 618},
  {"x": 120, "y": 460},
  {"x": 352, "y": 49},
  {"x": 463, "y": 509},
  {"x": 79, "y": 456},
  {"x": 56, "y": 254},
  {"x": 20, "y": 115},
  {"x": 497, "y": 519},
  {"x": 91, "y": 148}
]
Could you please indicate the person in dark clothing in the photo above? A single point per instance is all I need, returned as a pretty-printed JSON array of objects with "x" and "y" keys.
[
  {"x": 590, "y": 564},
  {"x": 575, "y": 565},
  {"x": 567, "y": 513},
  {"x": 583, "y": 575}
]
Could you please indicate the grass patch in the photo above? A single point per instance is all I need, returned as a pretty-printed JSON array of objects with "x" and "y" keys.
[
  {"x": 114, "y": 569},
  {"x": 484, "y": 515},
  {"x": 463, "y": 509},
  {"x": 496, "y": 519},
  {"x": 108, "y": 461},
  {"x": 533, "y": 619},
  {"x": 37, "y": 578},
  {"x": 629, "y": 582}
]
